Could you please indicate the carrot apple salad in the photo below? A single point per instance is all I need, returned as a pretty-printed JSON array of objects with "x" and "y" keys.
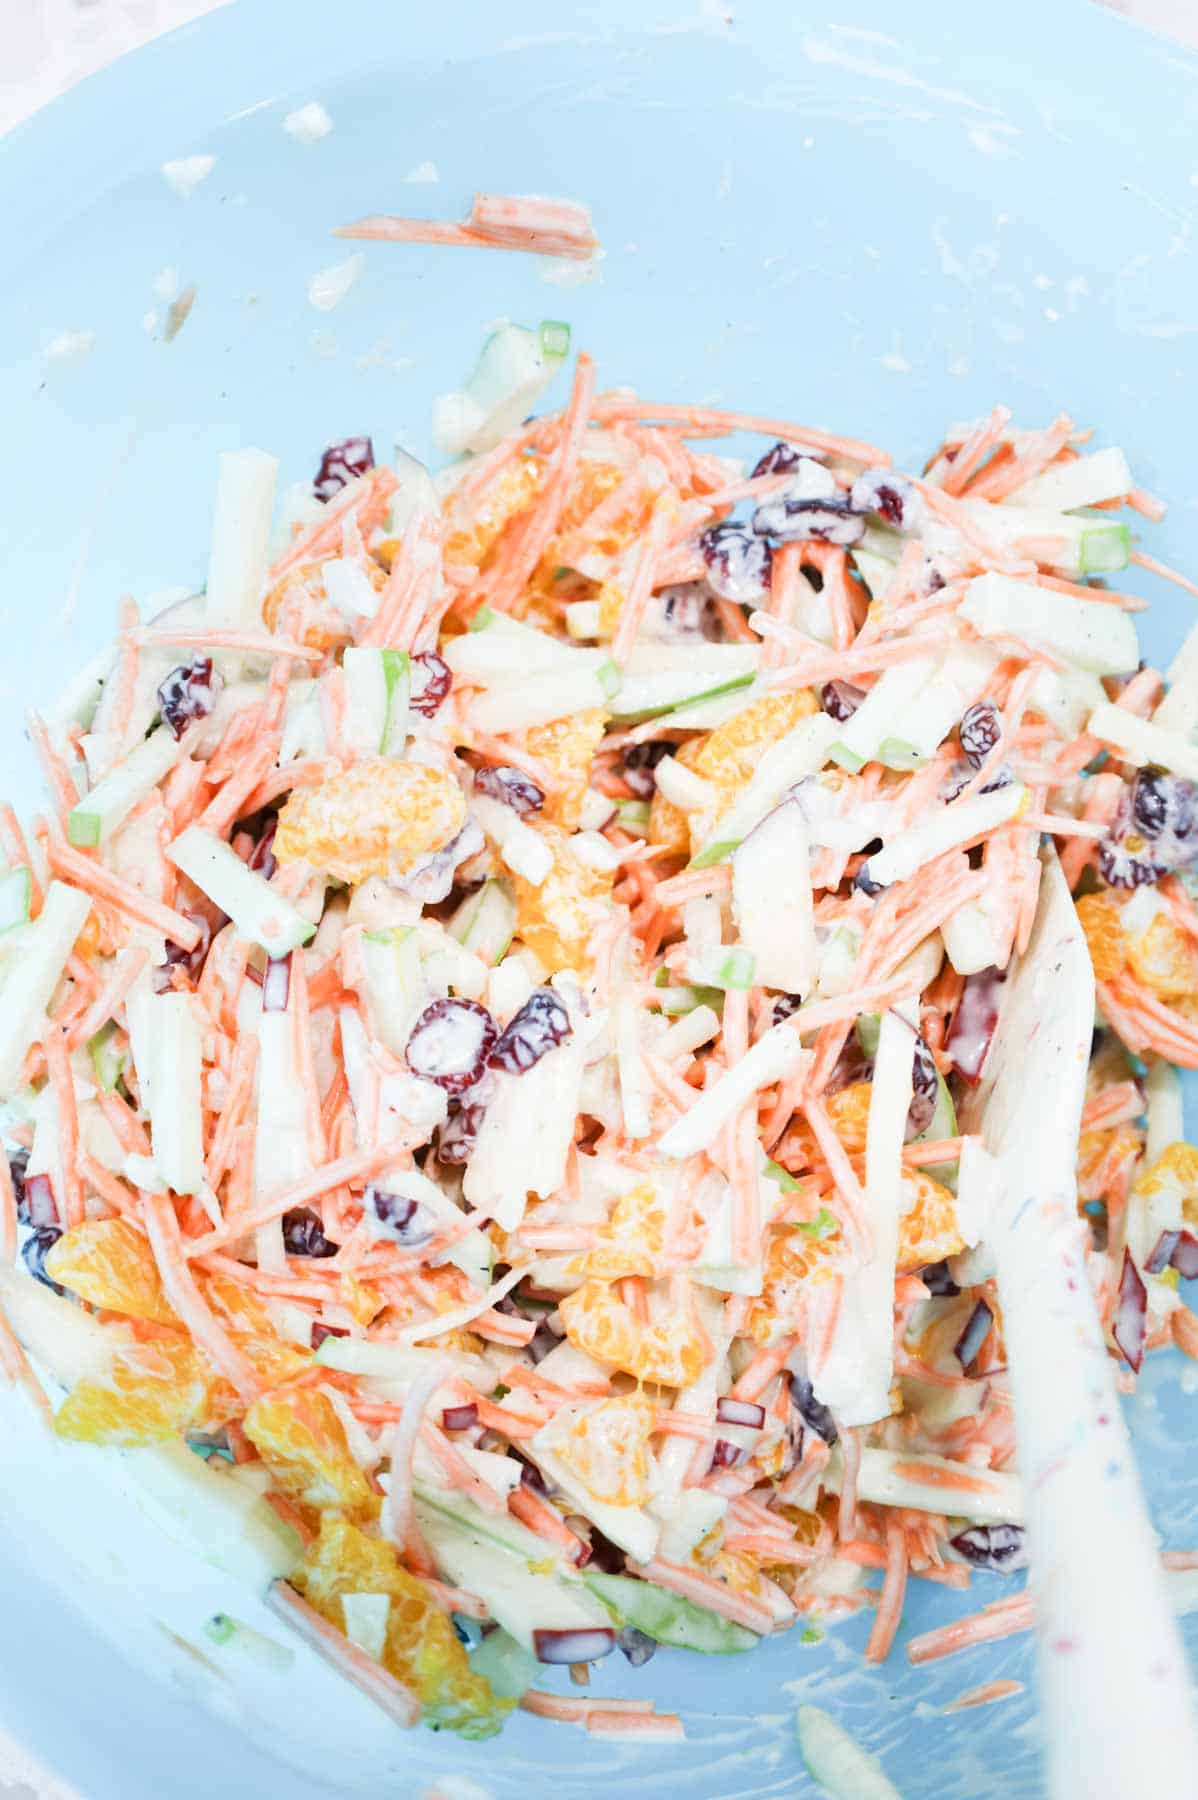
[{"x": 487, "y": 1008}]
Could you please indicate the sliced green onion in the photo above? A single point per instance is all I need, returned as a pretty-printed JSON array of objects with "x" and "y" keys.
[
  {"x": 823, "y": 1225},
  {"x": 633, "y": 814},
  {"x": 1103, "y": 547},
  {"x": 609, "y": 678},
  {"x": 481, "y": 619},
  {"x": 555, "y": 337},
  {"x": 846, "y": 758},
  {"x": 714, "y": 853}
]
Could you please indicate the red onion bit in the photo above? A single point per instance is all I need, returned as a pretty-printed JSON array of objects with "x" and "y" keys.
[
  {"x": 320, "y": 1332},
  {"x": 580, "y": 1646},
  {"x": 459, "y": 1418},
  {"x": 974, "y": 1022},
  {"x": 276, "y": 984},
  {"x": 1177, "y": 1250},
  {"x": 40, "y": 1203},
  {"x": 740, "y": 1412},
  {"x": 1131, "y": 1314},
  {"x": 977, "y": 1330},
  {"x": 727, "y": 1455}
]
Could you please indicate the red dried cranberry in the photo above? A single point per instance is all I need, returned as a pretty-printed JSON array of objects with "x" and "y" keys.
[
  {"x": 785, "y": 1007},
  {"x": 36, "y": 1248},
  {"x": 840, "y": 699},
  {"x": 813, "y": 1412},
  {"x": 432, "y": 879},
  {"x": 450, "y": 1043},
  {"x": 979, "y": 731},
  {"x": 303, "y": 1234},
  {"x": 190, "y": 961},
  {"x": 738, "y": 562},
  {"x": 640, "y": 760},
  {"x": 321, "y": 1332},
  {"x": 1122, "y": 867},
  {"x": 457, "y": 1137},
  {"x": 341, "y": 464},
  {"x": 997, "y": 1547},
  {"x": 401, "y": 1217},
  {"x": 513, "y": 788},
  {"x": 791, "y": 517},
  {"x": 41, "y": 1206},
  {"x": 541, "y": 1024},
  {"x": 925, "y": 1090},
  {"x": 780, "y": 459},
  {"x": 262, "y": 856},
  {"x": 431, "y": 681},
  {"x": 974, "y": 1022},
  {"x": 18, "y": 1162},
  {"x": 883, "y": 492},
  {"x": 189, "y": 692}
]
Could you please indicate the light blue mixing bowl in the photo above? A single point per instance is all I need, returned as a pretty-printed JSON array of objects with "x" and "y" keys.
[{"x": 877, "y": 222}]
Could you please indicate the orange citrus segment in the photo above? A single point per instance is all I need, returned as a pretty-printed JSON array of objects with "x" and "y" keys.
[
  {"x": 557, "y": 919},
  {"x": 668, "y": 826},
  {"x": 928, "y": 1222},
  {"x": 379, "y": 818},
  {"x": 567, "y": 746},
  {"x": 421, "y": 1649},
  {"x": 671, "y": 1351},
  {"x": 630, "y": 1242},
  {"x": 730, "y": 755},
  {"x": 848, "y": 1112},
  {"x": 1162, "y": 959},
  {"x": 607, "y": 1447},
  {"x": 298, "y": 606},
  {"x": 109, "y": 1263},
  {"x": 153, "y": 1391},
  {"x": 302, "y": 1442},
  {"x": 1100, "y": 920}
]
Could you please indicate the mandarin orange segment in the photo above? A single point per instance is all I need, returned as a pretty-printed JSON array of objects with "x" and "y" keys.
[
  {"x": 109, "y": 1263},
  {"x": 299, "y": 604},
  {"x": 848, "y": 1111},
  {"x": 557, "y": 919},
  {"x": 669, "y": 827},
  {"x": 381, "y": 817},
  {"x": 792, "y": 1258},
  {"x": 422, "y": 1649},
  {"x": 508, "y": 495},
  {"x": 303, "y": 1443},
  {"x": 732, "y": 751},
  {"x": 1162, "y": 959},
  {"x": 630, "y": 1242},
  {"x": 251, "y": 1327},
  {"x": 1102, "y": 924},
  {"x": 1176, "y": 1171},
  {"x": 567, "y": 746},
  {"x": 608, "y": 1449},
  {"x": 153, "y": 1391},
  {"x": 672, "y": 1350},
  {"x": 927, "y": 1222}
]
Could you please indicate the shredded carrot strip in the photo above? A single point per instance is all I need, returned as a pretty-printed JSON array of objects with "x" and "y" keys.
[
  {"x": 894, "y": 1590},
  {"x": 94, "y": 879}
]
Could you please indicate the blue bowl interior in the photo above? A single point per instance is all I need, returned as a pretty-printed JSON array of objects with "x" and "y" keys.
[{"x": 848, "y": 224}]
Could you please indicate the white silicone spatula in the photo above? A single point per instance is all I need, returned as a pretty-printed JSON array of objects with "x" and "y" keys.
[{"x": 1117, "y": 1700}]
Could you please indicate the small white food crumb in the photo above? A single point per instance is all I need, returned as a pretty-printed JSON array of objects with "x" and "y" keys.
[
  {"x": 70, "y": 346},
  {"x": 329, "y": 288},
  {"x": 186, "y": 174},
  {"x": 568, "y": 272},
  {"x": 425, "y": 171},
  {"x": 308, "y": 123}
]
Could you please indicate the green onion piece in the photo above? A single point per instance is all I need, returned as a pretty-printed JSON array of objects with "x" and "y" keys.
[
  {"x": 220, "y": 1628},
  {"x": 633, "y": 814},
  {"x": 555, "y": 337},
  {"x": 823, "y": 1225},
  {"x": 481, "y": 619},
  {"x": 610, "y": 678},
  {"x": 713, "y": 853}
]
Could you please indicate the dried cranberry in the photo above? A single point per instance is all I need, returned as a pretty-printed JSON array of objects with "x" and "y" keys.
[
  {"x": 401, "y": 1217},
  {"x": 785, "y": 1007},
  {"x": 457, "y": 1137},
  {"x": 36, "y": 1248},
  {"x": 738, "y": 562},
  {"x": 190, "y": 961},
  {"x": 606, "y": 1556},
  {"x": 341, "y": 464},
  {"x": 431, "y": 681},
  {"x": 997, "y": 1547},
  {"x": 1124, "y": 862},
  {"x": 925, "y": 1090},
  {"x": 18, "y": 1162},
  {"x": 864, "y": 883},
  {"x": 883, "y": 492},
  {"x": 636, "y": 1645},
  {"x": 41, "y": 1204},
  {"x": 541, "y": 1024},
  {"x": 1163, "y": 809},
  {"x": 685, "y": 609},
  {"x": 840, "y": 699},
  {"x": 814, "y": 1413},
  {"x": 432, "y": 878},
  {"x": 189, "y": 692},
  {"x": 303, "y": 1234},
  {"x": 450, "y": 1043},
  {"x": 262, "y": 856},
  {"x": 974, "y": 1022},
  {"x": 938, "y": 1281},
  {"x": 321, "y": 1332},
  {"x": 513, "y": 788},
  {"x": 780, "y": 459},
  {"x": 790, "y": 518},
  {"x": 979, "y": 731},
  {"x": 640, "y": 760}
]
